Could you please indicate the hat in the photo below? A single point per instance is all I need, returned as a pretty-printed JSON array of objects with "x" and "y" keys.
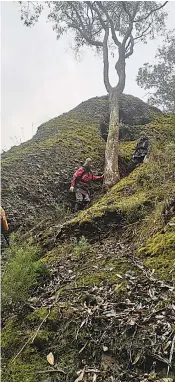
[{"x": 87, "y": 162}]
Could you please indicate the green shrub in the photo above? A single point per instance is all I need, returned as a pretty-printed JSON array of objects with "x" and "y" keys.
[
  {"x": 21, "y": 273},
  {"x": 82, "y": 246}
]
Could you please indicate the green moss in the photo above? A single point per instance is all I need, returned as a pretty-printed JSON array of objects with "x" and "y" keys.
[
  {"x": 24, "y": 369},
  {"x": 12, "y": 337},
  {"x": 126, "y": 149},
  {"x": 161, "y": 251},
  {"x": 55, "y": 312},
  {"x": 94, "y": 278},
  {"x": 38, "y": 315},
  {"x": 41, "y": 339},
  {"x": 57, "y": 253},
  {"x": 120, "y": 289},
  {"x": 68, "y": 360},
  {"x": 161, "y": 243},
  {"x": 107, "y": 271},
  {"x": 115, "y": 268},
  {"x": 73, "y": 140}
]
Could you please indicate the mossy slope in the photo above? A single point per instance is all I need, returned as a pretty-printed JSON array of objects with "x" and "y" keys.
[
  {"x": 137, "y": 202},
  {"x": 148, "y": 185},
  {"x": 36, "y": 175}
]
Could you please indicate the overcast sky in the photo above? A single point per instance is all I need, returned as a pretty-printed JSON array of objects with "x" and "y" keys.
[{"x": 41, "y": 77}]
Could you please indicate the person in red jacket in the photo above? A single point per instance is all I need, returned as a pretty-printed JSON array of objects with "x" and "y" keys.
[{"x": 80, "y": 184}]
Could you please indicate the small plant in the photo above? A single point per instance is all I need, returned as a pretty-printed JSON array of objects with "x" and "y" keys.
[
  {"x": 82, "y": 246},
  {"x": 61, "y": 211},
  {"x": 21, "y": 272}
]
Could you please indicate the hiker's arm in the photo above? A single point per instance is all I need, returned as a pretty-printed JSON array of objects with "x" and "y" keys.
[
  {"x": 97, "y": 177},
  {"x": 77, "y": 174}
]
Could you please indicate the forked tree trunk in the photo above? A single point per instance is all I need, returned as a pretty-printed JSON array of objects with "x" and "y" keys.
[{"x": 111, "y": 173}]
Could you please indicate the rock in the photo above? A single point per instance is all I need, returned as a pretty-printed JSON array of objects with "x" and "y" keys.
[{"x": 133, "y": 111}]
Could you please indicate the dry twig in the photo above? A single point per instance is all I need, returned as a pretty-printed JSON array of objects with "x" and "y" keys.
[{"x": 32, "y": 338}]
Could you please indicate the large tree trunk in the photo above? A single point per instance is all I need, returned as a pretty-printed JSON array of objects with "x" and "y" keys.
[{"x": 111, "y": 174}]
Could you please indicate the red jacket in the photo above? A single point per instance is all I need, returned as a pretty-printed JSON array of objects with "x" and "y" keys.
[{"x": 81, "y": 177}]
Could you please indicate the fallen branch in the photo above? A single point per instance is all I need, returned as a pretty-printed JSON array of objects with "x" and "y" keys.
[
  {"x": 51, "y": 371},
  {"x": 32, "y": 338},
  {"x": 83, "y": 347},
  {"x": 164, "y": 360},
  {"x": 171, "y": 355},
  {"x": 149, "y": 276}
]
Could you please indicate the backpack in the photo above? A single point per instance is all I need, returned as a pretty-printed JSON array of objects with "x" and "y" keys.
[{"x": 78, "y": 179}]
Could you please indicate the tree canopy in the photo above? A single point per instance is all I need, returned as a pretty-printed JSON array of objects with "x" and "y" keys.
[
  {"x": 106, "y": 25},
  {"x": 160, "y": 77}
]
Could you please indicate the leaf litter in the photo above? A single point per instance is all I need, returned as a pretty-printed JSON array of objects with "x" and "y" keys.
[{"x": 131, "y": 335}]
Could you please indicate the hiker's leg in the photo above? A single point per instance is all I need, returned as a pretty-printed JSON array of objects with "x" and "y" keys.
[
  {"x": 7, "y": 239},
  {"x": 87, "y": 199},
  {"x": 78, "y": 207},
  {"x": 79, "y": 201},
  {"x": 5, "y": 234}
]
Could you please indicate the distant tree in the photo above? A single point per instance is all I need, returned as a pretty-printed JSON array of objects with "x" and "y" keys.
[
  {"x": 160, "y": 77},
  {"x": 109, "y": 26}
]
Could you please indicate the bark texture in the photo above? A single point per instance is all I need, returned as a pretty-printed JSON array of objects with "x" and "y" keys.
[{"x": 111, "y": 175}]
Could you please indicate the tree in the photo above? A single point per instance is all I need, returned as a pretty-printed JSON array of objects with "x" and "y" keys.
[
  {"x": 109, "y": 26},
  {"x": 161, "y": 76}
]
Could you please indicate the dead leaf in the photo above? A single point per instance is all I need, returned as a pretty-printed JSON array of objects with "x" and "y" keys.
[
  {"x": 111, "y": 313},
  {"x": 50, "y": 358},
  {"x": 118, "y": 287},
  {"x": 81, "y": 376},
  {"x": 166, "y": 346},
  {"x": 94, "y": 378},
  {"x": 120, "y": 277},
  {"x": 107, "y": 362},
  {"x": 131, "y": 322},
  {"x": 83, "y": 322},
  {"x": 137, "y": 357}
]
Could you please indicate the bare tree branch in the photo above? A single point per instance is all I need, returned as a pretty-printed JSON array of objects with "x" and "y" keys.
[
  {"x": 90, "y": 41},
  {"x": 93, "y": 7},
  {"x": 149, "y": 14},
  {"x": 106, "y": 62},
  {"x": 128, "y": 45},
  {"x": 143, "y": 33},
  {"x": 82, "y": 30},
  {"x": 120, "y": 68},
  {"x": 114, "y": 37},
  {"x": 131, "y": 19},
  {"x": 126, "y": 10},
  {"x": 131, "y": 47}
]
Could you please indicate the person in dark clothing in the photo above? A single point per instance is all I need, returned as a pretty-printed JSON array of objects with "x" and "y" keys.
[
  {"x": 81, "y": 181},
  {"x": 141, "y": 150}
]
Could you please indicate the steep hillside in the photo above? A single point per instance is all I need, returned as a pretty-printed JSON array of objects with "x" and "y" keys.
[
  {"x": 36, "y": 175},
  {"x": 91, "y": 298}
]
